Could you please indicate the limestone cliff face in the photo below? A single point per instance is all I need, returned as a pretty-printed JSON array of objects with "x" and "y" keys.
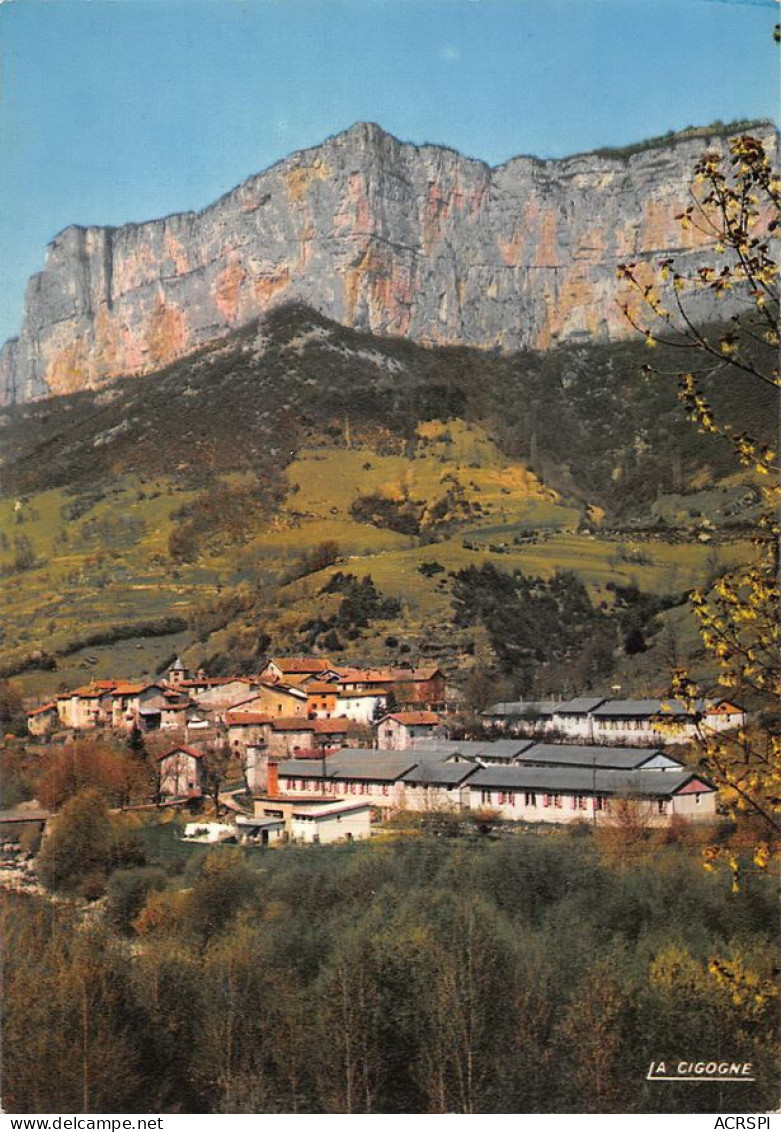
[{"x": 373, "y": 232}]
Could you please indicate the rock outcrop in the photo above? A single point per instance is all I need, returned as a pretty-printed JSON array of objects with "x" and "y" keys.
[{"x": 375, "y": 233}]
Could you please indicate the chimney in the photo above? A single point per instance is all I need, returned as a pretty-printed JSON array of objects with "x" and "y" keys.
[{"x": 273, "y": 780}]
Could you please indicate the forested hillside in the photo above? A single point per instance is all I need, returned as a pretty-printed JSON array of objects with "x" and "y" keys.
[
  {"x": 179, "y": 512},
  {"x": 527, "y": 972}
]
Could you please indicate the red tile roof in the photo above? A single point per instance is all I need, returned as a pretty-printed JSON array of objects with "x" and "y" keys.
[
  {"x": 44, "y": 707},
  {"x": 181, "y": 750},
  {"x": 331, "y": 726},
  {"x": 246, "y": 717},
  {"x": 292, "y": 723},
  {"x": 133, "y": 689},
  {"x": 414, "y": 718}
]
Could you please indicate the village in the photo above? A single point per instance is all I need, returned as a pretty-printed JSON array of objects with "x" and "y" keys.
[{"x": 324, "y": 752}]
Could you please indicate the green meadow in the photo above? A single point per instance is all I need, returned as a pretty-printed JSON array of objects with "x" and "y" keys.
[{"x": 88, "y": 578}]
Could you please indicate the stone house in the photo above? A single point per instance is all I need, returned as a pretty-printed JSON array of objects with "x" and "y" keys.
[
  {"x": 422, "y": 688},
  {"x": 181, "y": 773},
  {"x": 137, "y": 705},
  {"x": 247, "y": 729},
  {"x": 43, "y": 719},
  {"x": 219, "y": 693},
  {"x": 297, "y": 668},
  {"x": 86, "y": 708},
  {"x": 177, "y": 711},
  {"x": 403, "y": 729},
  {"x": 275, "y": 699},
  {"x": 301, "y": 737}
]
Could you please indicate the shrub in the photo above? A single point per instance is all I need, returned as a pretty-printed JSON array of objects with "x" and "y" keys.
[
  {"x": 127, "y": 892},
  {"x": 84, "y": 846}
]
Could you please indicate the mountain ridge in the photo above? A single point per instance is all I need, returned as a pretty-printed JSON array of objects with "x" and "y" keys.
[{"x": 383, "y": 235}]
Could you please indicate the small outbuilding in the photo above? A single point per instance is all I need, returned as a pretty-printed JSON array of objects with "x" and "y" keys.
[
  {"x": 259, "y": 830},
  {"x": 342, "y": 821}
]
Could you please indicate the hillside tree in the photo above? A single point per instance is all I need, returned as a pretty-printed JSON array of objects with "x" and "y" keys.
[{"x": 733, "y": 214}]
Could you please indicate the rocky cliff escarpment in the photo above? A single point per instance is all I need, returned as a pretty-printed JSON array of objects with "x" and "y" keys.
[{"x": 375, "y": 233}]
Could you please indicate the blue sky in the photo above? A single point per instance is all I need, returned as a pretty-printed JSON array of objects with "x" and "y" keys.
[{"x": 117, "y": 110}]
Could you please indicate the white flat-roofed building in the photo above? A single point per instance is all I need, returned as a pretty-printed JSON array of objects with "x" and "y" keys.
[{"x": 340, "y": 821}]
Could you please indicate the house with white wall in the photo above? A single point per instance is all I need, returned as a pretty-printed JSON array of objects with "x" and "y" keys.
[
  {"x": 361, "y": 704},
  {"x": 401, "y": 730},
  {"x": 438, "y": 785},
  {"x": 522, "y": 717},
  {"x": 43, "y": 719},
  {"x": 339, "y": 821},
  {"x": 565, "y": 794},
  {"x": 603, "y": 758},
  {"x": 574, "y": 719},
  {"x": 376, "y": 777}
]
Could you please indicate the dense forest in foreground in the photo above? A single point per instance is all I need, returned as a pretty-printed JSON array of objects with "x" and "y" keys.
[{"x": 521, "y": 971}]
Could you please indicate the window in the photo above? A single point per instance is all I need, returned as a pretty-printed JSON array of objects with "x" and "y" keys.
[
  {"x": 530, "y": 799},
  {"x": 546, "y": 800},
  {"x": 510, "y": 798},
  {"x": 697, "y": 799},
  {"x": 600, "y": 804},
  {"x": 385, "y": 789},
  {"x": 661, "y": 806},
  {"x": 557, "y": 801},
  {"x": 485, "y": 797}
]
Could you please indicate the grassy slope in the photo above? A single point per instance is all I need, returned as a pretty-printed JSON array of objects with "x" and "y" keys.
[
  {"x": 123, "y": 574},
  {"x": 331, "y": 414}
]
